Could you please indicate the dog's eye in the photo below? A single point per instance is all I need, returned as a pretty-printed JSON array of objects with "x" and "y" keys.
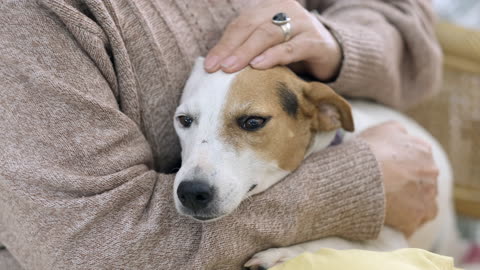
[
  {"x": 185, "y": 120},
  {"x": 252, "y": 123}
]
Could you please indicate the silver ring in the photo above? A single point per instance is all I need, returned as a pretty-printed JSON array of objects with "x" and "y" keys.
[{"x": 281, "y": 19}]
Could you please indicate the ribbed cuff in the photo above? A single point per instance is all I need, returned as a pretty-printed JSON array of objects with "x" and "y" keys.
[
  {"x": 349, "y": 199},
  {"x": 363, "y": 57}
]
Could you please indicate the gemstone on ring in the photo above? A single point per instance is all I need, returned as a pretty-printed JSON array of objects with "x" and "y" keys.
[{"x": 280, "y": 18}]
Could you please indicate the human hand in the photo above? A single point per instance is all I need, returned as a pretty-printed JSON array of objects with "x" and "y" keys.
[
  {"x": 409, "y": 175},
  {"x": 253, "y": 39}
]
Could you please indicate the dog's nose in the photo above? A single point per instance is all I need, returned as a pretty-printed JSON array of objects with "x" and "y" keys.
[{"x": 195, "y": 195}]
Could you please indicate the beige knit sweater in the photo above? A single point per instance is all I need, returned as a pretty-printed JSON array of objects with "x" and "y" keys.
[{"x": 87, "y": 92}]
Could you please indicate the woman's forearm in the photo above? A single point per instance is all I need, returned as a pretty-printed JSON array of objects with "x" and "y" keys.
[{"x": 390, "y": 53}]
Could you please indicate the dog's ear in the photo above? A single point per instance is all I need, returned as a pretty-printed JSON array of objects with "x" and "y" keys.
[{"x": 330, "y": 110}]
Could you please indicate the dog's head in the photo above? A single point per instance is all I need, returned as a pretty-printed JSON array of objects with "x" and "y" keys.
[{"x": 241, "y": 133}]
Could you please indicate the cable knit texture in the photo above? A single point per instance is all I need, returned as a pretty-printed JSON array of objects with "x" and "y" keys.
[{"x": 88, "y": 89}]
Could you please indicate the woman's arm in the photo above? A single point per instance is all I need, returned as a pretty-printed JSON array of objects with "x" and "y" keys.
[
  {"x": 78, "y": 190},
  {"x": 390, "y": 52}
]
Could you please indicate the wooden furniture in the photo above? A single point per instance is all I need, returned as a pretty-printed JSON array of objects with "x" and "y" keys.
[{"x": 453, "y": 116}]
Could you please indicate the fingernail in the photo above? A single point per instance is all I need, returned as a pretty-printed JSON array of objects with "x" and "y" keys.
[
  {"x": 229, "y": 62},
  {"x": 211, "y": 62},
  {"x": 257, "y": 59}
]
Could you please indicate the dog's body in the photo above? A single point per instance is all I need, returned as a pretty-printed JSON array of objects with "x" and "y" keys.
[
  {"x": 439, "y": 235},
  {"x": 243, "y": 132}
]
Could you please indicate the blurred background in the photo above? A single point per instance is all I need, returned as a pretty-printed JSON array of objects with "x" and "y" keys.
[{"x": 453, "y": 115}]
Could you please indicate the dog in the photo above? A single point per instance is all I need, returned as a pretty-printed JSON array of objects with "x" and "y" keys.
[{"x": 241, "y": 133}]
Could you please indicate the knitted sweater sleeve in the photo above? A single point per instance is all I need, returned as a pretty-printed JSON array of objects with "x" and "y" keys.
[
  {"x": 390, "y": 53},
  {"x": 77, "y": 188}
]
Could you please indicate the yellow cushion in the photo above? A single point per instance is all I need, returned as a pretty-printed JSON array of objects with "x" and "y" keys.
[
  {"x": 403, "y": 259},
  {"x": 461, "y": 46}
]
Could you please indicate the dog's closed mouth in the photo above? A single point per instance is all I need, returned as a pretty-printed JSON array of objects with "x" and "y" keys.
[{"x": 203, "y": 218}]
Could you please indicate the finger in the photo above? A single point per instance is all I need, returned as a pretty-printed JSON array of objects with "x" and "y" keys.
[
  {"x": 410, "y": 229},
  {"x": 265, "y": 36},
  {"x": 430, "y": 207},
  {"x": 428, "y": 175},
  {"x": 235, "y": 34},
  {"x": 431, "y": 212},
  {"x": 429, "y": 189},
  {"x": 423, "y": 145},
  {"x": 295, "y": 50}
]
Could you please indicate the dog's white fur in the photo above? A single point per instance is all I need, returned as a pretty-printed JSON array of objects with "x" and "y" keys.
[{"x": 233, "y": 173}]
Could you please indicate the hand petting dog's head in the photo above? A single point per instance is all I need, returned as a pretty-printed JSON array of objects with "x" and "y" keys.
[{"x": 242, "y": 132}]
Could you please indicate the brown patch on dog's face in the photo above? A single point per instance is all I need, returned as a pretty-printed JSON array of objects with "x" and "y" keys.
[{"x": 293, "y": 109}]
